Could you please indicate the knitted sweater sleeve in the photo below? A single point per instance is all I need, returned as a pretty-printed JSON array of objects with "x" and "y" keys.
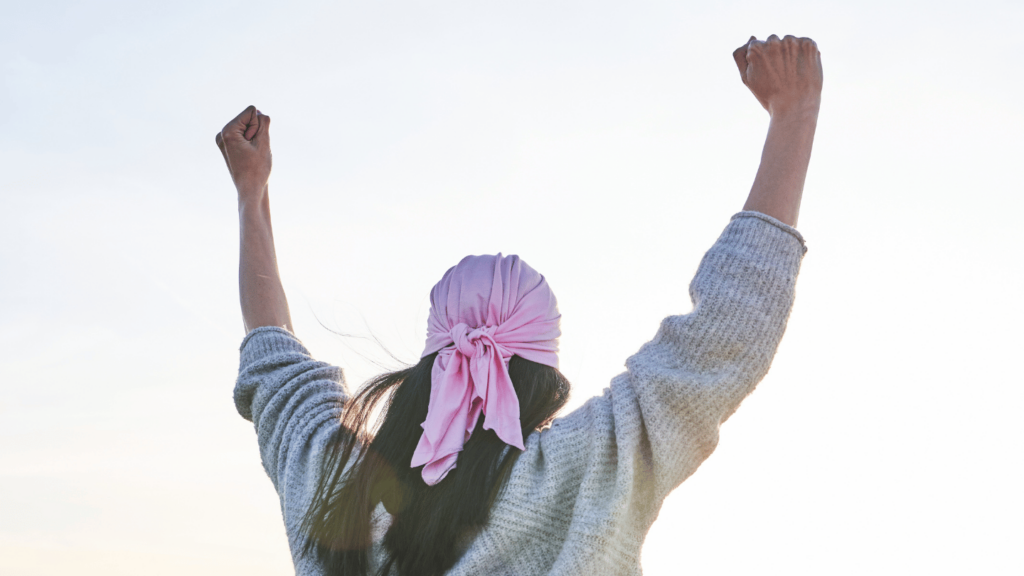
[
  {"x": 295, "y": 404},
  {"x": 597, "y": 476},
  {"x": 698, "y": 368}
]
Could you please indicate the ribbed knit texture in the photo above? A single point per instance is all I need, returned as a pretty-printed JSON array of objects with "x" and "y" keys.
[{"x": 582, "y": 496}]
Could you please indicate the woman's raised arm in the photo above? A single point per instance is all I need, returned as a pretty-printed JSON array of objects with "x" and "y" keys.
[
  {"x": 785, "y": 77},
  {"x": 245, "y": 144}
]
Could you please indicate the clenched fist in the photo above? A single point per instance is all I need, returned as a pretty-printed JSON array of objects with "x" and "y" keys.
[
  {"x": 245, "y": 144},
  {"x": 784, "y": 75}
]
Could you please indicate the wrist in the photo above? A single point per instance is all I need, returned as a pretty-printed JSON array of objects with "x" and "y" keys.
[
  {"x": 805, "y": 110},
  {"x": 253, "y": 199}
]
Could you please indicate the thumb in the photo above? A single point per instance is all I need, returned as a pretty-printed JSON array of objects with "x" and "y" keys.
[
  {"x": 259, "y": 133},
  {"x": 740, "y": 56},
  {"x": 252, "y": 125},
  {"x": 264, "y": 123},
  {"x": 241, "y": 126}
]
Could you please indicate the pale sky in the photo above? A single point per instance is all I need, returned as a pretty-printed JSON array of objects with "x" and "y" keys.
[{"x": 607, "y": 144}]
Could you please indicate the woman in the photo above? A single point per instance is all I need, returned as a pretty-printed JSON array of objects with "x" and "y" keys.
[{"x": 468, "y": 473}]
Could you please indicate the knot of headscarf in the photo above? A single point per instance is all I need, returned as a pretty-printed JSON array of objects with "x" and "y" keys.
[
  {"x": 473, "y": 342},
  {"x": 484, "y": 310}
]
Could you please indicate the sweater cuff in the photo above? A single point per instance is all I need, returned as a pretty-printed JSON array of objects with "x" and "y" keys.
[
  {"x": 776, "y": 223},
  {"x": 269, "y": 341}
]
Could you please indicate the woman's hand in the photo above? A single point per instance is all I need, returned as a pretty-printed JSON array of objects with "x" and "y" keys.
[
  {"x": 245, "y": 144},
  {"x": 784, "y": 75}
]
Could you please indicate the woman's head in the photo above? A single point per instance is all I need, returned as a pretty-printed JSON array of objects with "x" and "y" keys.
[
  {"x": 484, "y": 311},
  {"x": 491, "y": 351}
]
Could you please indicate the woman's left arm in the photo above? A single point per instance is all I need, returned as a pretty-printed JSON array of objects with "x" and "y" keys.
[
  {"x": 245, "y": 144},
  {"x": 294, "y": 401}
]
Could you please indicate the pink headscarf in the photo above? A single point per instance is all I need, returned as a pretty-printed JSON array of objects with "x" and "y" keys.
[{"x": 482, "y": 312}]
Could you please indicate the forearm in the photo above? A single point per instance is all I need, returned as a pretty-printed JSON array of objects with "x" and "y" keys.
[
  {"x": 260, "y": 290},
  {"x": 779, "y": 183}
]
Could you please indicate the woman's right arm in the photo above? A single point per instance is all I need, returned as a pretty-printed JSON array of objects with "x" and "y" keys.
[
  {"x": 620, "y": 454},
  {"x": 785, "y": 76}
]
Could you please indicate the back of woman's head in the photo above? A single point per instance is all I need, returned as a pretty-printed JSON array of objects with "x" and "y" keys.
[{"x": 489, "y": 371}]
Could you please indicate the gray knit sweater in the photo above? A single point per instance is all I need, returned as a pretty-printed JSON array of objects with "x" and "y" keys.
[{"x": 583, "y": 495}]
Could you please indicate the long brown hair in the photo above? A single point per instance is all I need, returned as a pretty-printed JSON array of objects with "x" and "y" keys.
[{"x": 431, "y": 526}]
